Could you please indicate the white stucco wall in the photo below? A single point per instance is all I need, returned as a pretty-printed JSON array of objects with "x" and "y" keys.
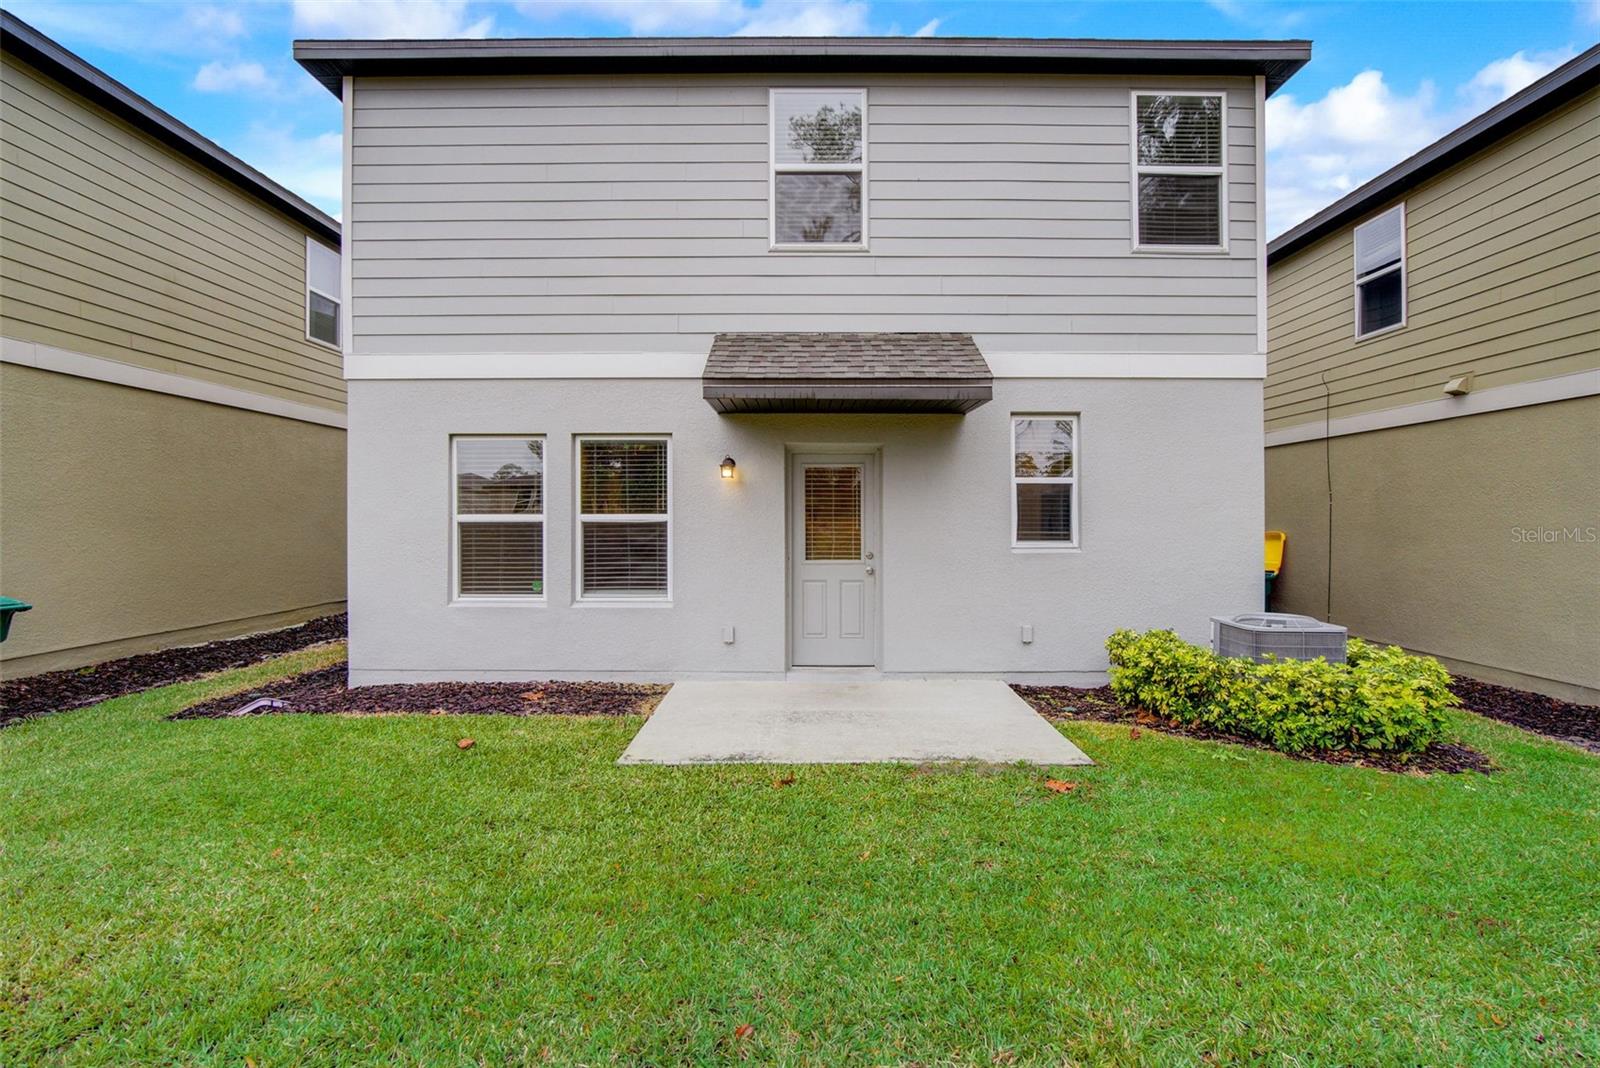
[{"x": 1171, "y": 514}]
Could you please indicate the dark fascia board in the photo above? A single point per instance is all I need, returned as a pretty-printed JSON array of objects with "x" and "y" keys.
[
  {"x": 1567, "y": 81},
  {"x": 19, "y": 39},
  {"x": 331, "y": 61},
  {"x": 729, "y": 395}
]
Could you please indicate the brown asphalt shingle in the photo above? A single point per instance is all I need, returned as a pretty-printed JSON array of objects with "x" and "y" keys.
[{"x": 845, "y": 356}]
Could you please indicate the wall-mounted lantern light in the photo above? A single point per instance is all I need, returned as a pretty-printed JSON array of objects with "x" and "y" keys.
[{"x": 728, "y": 467}]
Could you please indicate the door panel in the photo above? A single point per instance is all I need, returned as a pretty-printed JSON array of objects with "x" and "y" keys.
[{"x": 833, "y": 555}]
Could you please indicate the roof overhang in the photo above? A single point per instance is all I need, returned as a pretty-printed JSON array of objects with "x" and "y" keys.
[
  {"x": 843, "y": 372},
  {"x": 331, "y": 61},
  {"x": 19, "y": 39}
]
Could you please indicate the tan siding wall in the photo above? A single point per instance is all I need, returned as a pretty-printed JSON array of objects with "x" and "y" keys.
[
  {"x": 1426, "y": 552},
  {"x": 115, "y": 246},
  {"x": 580, "y": 215},
  {"x": 130, "y": 518},
  {"x": 1503, "y": 258}
]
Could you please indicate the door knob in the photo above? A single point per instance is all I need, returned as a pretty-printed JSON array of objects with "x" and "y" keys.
[
  {"x": 872, "y": 571},
  {"x": 869, "y": 556}
]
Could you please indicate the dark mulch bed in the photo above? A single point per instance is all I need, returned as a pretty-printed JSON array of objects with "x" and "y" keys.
[
  {"x": 325, "y": 691},
  {"x": 61, "y": 691},
  {"x": 1099, "y": 703},
  {"x": 1562, "y": 720}
]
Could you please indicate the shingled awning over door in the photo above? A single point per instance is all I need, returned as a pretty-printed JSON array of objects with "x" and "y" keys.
[{"x": 846, "y": 373}]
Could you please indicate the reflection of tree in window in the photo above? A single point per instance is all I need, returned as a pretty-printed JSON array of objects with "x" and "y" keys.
[
  {"x": 1054, "y": 459},
  {"x": 817, "y": 204},
  {"x": 827, "y": 135}
]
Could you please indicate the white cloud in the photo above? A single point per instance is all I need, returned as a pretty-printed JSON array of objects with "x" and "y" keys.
[
  {"x": 806, "y": 18},
  {"x": 646, "y": 16},
  {"x": 139, "y": 29},
  {"x": 770, "y": 18},
  {"x": 929, "y": 28},
  {"x": 389, "y": 18},
  {"x": 1506, "y": 76},
  {"x": 310, "y": 165},
  {"x": 219, "y": 76},
  {"x": 1319, "y": 150},
  {"x": 218, "y": 21},
  {"x": 1259, "y": 15}
]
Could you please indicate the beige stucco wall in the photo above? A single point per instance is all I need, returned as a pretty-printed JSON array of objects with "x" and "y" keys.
[
  {"x": 133, "y": 519},
  {"x": 1436, "y": 542}
]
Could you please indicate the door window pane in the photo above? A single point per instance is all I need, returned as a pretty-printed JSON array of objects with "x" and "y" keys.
[{"x": 833, "y": 513}]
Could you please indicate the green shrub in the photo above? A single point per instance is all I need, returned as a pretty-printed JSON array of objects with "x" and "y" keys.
[{"x": 1382, "y": 699}]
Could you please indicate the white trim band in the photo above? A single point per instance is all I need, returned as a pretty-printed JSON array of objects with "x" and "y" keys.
[
  {"x": 99, "y": 369},
  {"x": 643, "y": 365},
  {"x": 1493, "y": 399}
]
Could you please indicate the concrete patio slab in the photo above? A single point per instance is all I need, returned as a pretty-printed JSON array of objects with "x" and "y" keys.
[{"x": 846, "y": 723}]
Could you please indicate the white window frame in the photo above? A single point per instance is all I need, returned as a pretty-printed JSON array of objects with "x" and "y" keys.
[
  {"x": 338, "y": 323},
  {"x": 1361, "y": 279},
  {"x": 1017, "y": 544},
  {"x": 579, "y": 518},
  {"x": 1137, "y": 169},
  {"x": 774, "y": 168},
  {"x": 457, "y": 519}
]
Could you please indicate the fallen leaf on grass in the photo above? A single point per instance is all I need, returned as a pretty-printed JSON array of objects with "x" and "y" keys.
[
  {"x": 867, "y": 855},
  {"x": 744, "y": 1030},
  {"x": 787, "y": 780},
  {"x": 1005, "y": 1056},
  {"x": 1133, "y": 733},
  {"x": 1060, "y": 786},
  {"x": 465, "y": 743}
]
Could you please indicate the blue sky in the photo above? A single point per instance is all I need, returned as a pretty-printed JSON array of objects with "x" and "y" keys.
[{"x": 1385, "y": 78}]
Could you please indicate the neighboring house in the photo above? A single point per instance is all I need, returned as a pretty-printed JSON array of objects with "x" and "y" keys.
[
  {"x": 1436, "y": 355},
  {"x": 977, "y": 327},
  {"x": 171, "y": 428}
]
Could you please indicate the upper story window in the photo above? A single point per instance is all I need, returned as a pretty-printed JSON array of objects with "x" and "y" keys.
[
  {"x": 1381, "y": 272},
  {"x": 1179, "y": 153},
  {"x": 322, "y": 292},
  {"x": 819, "y": 160}
]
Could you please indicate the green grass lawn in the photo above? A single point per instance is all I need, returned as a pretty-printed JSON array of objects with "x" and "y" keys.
[{"x": 321, "y": 890}]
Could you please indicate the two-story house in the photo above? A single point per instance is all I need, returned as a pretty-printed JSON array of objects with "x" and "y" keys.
[
  {"x": 171, "y": 392},
  {"x": 736, "y": 357},
  {"x": 1433, "y": 396}
]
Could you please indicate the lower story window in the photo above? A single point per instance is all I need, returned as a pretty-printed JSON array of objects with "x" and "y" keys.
[
  {"x": 624, "y": 518},
  {"x": 1044, "y": 481},
  {"x": 498, "y": 495}
]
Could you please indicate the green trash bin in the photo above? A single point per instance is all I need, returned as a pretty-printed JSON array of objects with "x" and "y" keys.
[{"x": 10, "y": 606}]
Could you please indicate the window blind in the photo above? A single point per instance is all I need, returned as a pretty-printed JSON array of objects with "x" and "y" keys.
[
  {"x": 1181, "y": 156},
  {"x": 1378, "y": 242},
  {"x": 833, "y": 513},
  {"x": 1180, "y": 131},
  {"x": 624, "y": 517},
  {"x": 819, "y": 167},
  {"x": 499, "y": 516},
  {"x": 1044, "y": 480}
]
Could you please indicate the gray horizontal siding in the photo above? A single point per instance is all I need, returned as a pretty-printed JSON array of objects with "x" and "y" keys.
[{"x": 565, "y": 215}]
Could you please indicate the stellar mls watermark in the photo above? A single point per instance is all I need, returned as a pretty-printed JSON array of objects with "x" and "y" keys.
[{"x": 1542, "y": 535}]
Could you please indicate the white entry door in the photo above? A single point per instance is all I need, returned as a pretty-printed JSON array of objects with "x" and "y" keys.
[{"x": 833, "y": 560}]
